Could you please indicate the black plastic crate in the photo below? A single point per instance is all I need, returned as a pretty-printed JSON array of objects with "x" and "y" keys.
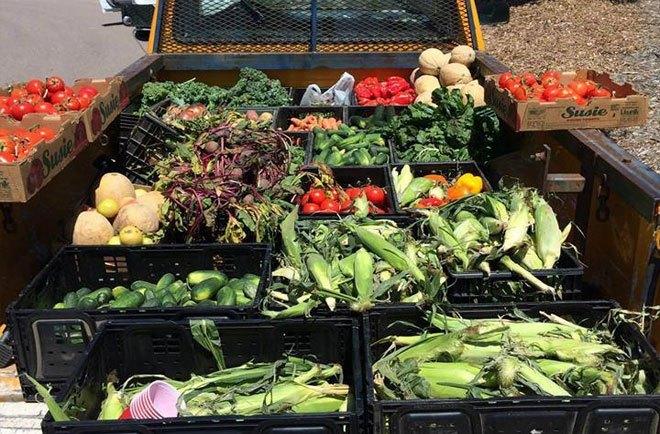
[
  {"x": 168, "y": 348},
  {"x": 127, "y": 121},
  {"x": 475, "y": 286},
  {"x": 357, "y": 177},
  {"x": 284, "y": 115},
  {"x": 48, "y": 342},
  {"x": 147, "y": 145},
  {"x": 633, "y": 414},
  {"x": 449, "y": 170}
]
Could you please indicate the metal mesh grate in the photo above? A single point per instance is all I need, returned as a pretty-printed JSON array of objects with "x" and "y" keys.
[{"x": 298, "y": 26}]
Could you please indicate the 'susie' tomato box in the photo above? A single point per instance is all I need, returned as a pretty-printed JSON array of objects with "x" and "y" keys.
[{"x": 624, "y": 108}]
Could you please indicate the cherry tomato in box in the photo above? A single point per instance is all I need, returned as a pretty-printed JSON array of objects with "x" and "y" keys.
[
  {"x": 579, "y": 87},
  {"x": 45, "y": 133},
  {"x": 54, "y": 84},
  {"x": 85, "y": 101},
  {"x": 550, "y": 82},
  {"x": 529, "y": 79},
  {"x": 353, "y": 192},
  {"x": 591, "y": 87},
  {"x": 602, "y": 93},
  {"x": 330, "y": 205},
  {"x": 520, "y": 94},
  {"x": 71, "y": 103},
  {"x": 550, "y": 94},
  {"x": 7, "y": 144},
  {"x": 36, "y": 87},
  {"x": 57, "y": 97},
  {"x": 551, "y": 73},
  {"x": 317, "y": 195},
  {"x": 304, "y": 199},
  {"x": 45, "y": 107},
  {"x": 18, "y": 93},
  {"x": 375, "y": 195},
  {"x": 310, "y": 208},
  {"x": 33, "y": 99},
  {"x": 88, "y": 90},
  {"x": 504, "y": 78},
  {"x": 21, "y": 109},
  {"x": 564, "y": 93},
  {"x": 7, "y": 157}
]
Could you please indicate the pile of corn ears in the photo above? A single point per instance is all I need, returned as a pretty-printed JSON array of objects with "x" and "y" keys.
[
  {"x": 514, "y": 229},
  {"x": 355, "y": 261},
  {"x": 489, "y": 358}
]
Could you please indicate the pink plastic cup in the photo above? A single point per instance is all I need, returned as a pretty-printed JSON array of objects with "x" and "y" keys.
[{"x": 156, "y": 401}]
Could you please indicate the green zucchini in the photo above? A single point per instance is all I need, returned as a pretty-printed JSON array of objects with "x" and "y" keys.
[
  {"x": 199, "y": 276},
  {"x": 83, "y": 291},
  {"x": 150, "y": 299},
  {"x": 250, "y": 285},
  {"x": 167, "y": 301},
  {"x": 242, "y": 300},
  {"x": 206, "y": 289}
]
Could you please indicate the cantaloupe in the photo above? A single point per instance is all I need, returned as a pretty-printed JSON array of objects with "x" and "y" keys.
[
  {"x": 114, "y": 186},
  {"x": 138, "y": 215},
  {"x": 477, "y": 93},
  {"x": 426, "y": 83},
  {"x": 463, "y": 54},
  {"x": 152, "y": 199},
  {"x": 454, "y": 73},
  {"x": 92, "y": 228},
  {"x": 426, "y": 98},
  {"x": 431, "y": 60}
]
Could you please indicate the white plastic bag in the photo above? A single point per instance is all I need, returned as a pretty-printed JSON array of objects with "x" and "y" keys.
[{"x": 339, "y": 94}]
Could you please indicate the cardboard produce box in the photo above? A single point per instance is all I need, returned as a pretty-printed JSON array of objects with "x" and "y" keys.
[
  {"x": 626, "y": 108},
  {"x": 20, "y": 180},
  {"x": 105, "y": 107}
]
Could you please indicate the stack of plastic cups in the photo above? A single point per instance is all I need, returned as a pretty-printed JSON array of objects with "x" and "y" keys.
[{"x": 156, "y": 401}]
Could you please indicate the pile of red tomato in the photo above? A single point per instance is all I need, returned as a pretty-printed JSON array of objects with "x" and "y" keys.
[
  {"x": 49, "y": 97},
  {"x": 16, "y": 143},
  {"x": 547, "y": 87},
  {"x": 337, "y": 200}
]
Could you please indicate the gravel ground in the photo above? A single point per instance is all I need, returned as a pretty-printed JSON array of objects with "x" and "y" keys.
[{"x": 618, "y": 37}]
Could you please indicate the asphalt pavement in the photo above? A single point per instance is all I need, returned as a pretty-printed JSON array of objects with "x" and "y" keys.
[{"x": 62, "y": 37}]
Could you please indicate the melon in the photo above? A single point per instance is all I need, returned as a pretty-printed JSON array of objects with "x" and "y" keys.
[
  {"x": 92, "y": 228},
  {"x": 454, "y": 73},
  {"x": 114, "y": 186},
  {"x": 141, "y": 216}
]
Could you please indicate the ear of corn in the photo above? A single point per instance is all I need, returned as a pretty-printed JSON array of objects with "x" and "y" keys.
[
  {"x": 415, "y": 189},
  {"x": 320, "y": 270},
  {"x": 289, "y": 240},
  {"x": 516, "y": 229},
  {"x": 364, "y": 275},
  {"x": 514, "y": 267},
  {"x": 548, "y": 237},
  {"x": 528, "y": 257},
  {"x": 346, "y": 265},
  {"x": 445, "y": 234},
  {"x": 496, "y": 208},
  {"x": 111, "y": 407}
]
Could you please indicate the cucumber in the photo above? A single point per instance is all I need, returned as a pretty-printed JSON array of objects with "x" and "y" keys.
[
  {"x": 83, "y": 292},
  {"x": 102, "y": 295},
  {"x": 226, "y": 296},
  {"x": 189, "y": 303},
  {"x": 242, "y": 300},
  {"x": 206, "y": 289},
  {"x": 59, "y": 306},
  {"x": 117, "y": 291},
  {"x": 87, "y": 303},
  {"x": 150, "y": 299},
  {"x": 165, "y": 281},
  {"x": 177, "y": 290},
  {"x": 167, "y": 301},
  {"x": 250, "y": 285},
  {"x": 201, "y": 275},
  {"x": 70, "y": 300},
  {"x": 128, "y": 300},
  {"x": 142, "y": 284},
  {"x": 207, "y": 303}
]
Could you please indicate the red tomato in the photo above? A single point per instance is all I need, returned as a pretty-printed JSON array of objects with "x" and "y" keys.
[
  {"x": 550, "y": 82},
  {"x": 512, "y": 86},
  {"x": 580, "y": 100},
  {"x": 19, "y": 110},
  {"x": 7, "y": 144},
  {"x": 579, "y": 87},
  {"x": 45, "y": 133},
  {"x": 550, "y": 94},
  {"x": 36, "y": 87},
  {"x": 330, "y": 205},
  {"x": 602, "y": 93},
  {"x": 375, "y": 195},
  {"x": 591, "y": 87},
  {"x": 45, "y": 107},
  {"x": 69, "y": 91},
  {"x": 54, "y": 84},
  {"x": 4, "y": 132},
  {"x": 317, "y": 195},
  {"x": 85, "y": 101},
  {"x": 19, "y": 92},
  {"x": 430, "y": 202},
  {"x": 551, "y": 73},
  {"x": 520, "y": 94},
  {"x": 33, "y": 99},
  {"x": 57, "y": 97},
  {"x": 7, "y": 157},
  {"x": 353, "y": 192},
  {"x": 304, "y": 199},
  {"x": 11, "y": 101},
  {"x": 529, "y": 79},
  {"x": 310, "y": 208},
  {"x": 504, "y": 78},
  {"x": 564, "y": 93},
  {"x": 88, "y": 90},
  {"x": 71, "y": 103},
  {"x": 346, "y": 203}
]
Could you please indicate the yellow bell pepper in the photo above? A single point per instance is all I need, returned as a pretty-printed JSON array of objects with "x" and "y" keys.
[{"x": 473, "y": 183}]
